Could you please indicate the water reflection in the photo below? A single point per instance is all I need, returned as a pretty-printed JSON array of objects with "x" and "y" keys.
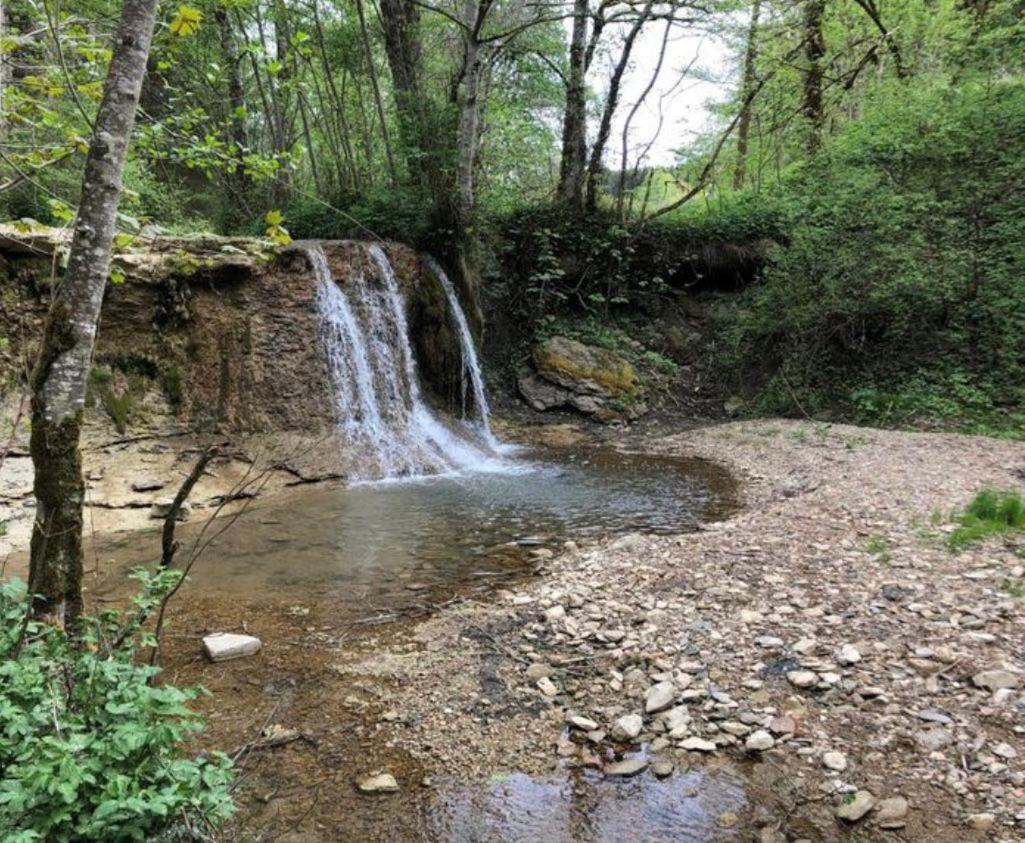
[
  {"x": 385, "y": 540},
  {"x": 587, "y": 809}
]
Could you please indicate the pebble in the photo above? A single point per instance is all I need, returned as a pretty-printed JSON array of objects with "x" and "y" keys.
[
  {"x": 627, "y": 727},
  {"x": 994, "y": 680},
  {"x": 857, "y": 807},
  {"x": 759, "y": 741},
  {"x": 377, "y": 783},
  {"x": 662, "y": 768},
  {"x": 933, "y": 739},
  {"x": 626, "y": 768},
  {"x": 547, "y": 687},
  {"x": 698, "y": 745},
  {"x": 835, "y": 761},
  {"x": 148, "y": 484},
  {"x": 802, "y": 678},
  {"x": 539, "y": 670},
  {"x": 849, "y": 654},
  {"x": 982, "y": 822},
  {"x": 659, "y": 697},
  {"x": 890, "y": 813},
  {"x": 584, "y": 724}
]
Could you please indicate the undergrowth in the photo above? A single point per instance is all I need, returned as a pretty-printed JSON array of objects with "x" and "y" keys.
[{"x": 90, "y": 746}]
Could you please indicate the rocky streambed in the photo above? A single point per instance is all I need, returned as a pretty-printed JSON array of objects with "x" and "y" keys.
[
  {"x": 819, "y": 665},
  {"x": 824, "y": 644}
]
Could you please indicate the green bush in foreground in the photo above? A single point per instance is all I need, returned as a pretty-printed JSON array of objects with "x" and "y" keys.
[
  {"x": 989, "y": 513},
  {"x": 89, "y": 750}
]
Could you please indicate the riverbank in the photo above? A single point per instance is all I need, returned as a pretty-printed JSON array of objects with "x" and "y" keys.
[
  {"x": 825, "y": 632},
  {"x": 819, "y": 651}
]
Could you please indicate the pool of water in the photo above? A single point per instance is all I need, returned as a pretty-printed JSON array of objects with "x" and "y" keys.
[
  {"x": 380, "y": 541},
  {"x": 691, "y": 805}
]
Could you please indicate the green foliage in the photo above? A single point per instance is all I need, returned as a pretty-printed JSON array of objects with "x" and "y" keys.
[
  {"x": 392, "y": 214},
  {"x": 89, "y": 748},
  {"x": 900, "y": 273},
  {"x": 990, "y": 513}
]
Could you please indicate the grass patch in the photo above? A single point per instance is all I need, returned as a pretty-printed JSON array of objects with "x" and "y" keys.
[
  {"x": 1014, "y": 586},
  {"x": 990, "y": 513},
  {"x": 879, "y": 547}
]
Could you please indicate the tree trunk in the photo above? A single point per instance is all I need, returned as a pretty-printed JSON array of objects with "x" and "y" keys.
[
  {"x": 574, "y": 125},
  {"x": 61, "y": 373},
  {"x": 469, "y": 137},
  {"x": 399, "y": 21},
  {"x": 236, "y": 103},
  {"x": 744, "y": 126},
  {"x": 379, "y": 104},
  {"x": 611, "y": 102},
  {"x": 814, "y": 52}
]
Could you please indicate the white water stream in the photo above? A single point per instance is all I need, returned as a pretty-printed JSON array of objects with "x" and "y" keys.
[{"x": 379, "y": 405}]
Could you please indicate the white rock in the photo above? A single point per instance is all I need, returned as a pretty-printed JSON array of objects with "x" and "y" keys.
[
  {"x": 994, "y": 680},
  {"x": 547, "y": 687},
  {"x": 626, "y": 768},
  {"x": 584, "y": 724},
  {"x": 659, "y": 697},
  {"x": 698, "y": 745},
  {"x": 848, "y": 654},
  {"x": 759, "y": 741},
  {"x": 802, "y": 678},
  {"x": 833, "y": 760},
  {"x": 161, "y": 509},
  {"x": 377, "y": 783},
  {"x": 555, "y": 613},
  {"x": 627, "y": 727},
  {"x": 982, "y": 822},
  {"x": 860, "y": 805},
  {"x": 222, "y": 646}
]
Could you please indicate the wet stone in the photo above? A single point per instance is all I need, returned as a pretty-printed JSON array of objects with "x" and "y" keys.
[{"x": 626, "y": 768}]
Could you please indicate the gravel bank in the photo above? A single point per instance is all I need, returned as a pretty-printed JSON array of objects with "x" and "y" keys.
[{"x": 825, "y": 633}]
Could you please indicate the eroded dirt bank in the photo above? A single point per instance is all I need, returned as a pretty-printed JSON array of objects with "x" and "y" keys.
[{"x": 825, "y": 633}]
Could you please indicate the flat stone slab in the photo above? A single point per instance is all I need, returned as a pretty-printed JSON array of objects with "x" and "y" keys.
[
  {"x": 224, "y": 646},
  {"x": 377, "y": 783},
  {"x": 627, "y": 768}
]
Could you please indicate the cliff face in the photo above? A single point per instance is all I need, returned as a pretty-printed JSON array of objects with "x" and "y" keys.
[{"x": 213, "y": 333}]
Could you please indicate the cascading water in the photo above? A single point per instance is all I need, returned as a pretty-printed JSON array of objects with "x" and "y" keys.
[
  {"x": 471, "y": 364},
  {"x": 380, "y": 409}
]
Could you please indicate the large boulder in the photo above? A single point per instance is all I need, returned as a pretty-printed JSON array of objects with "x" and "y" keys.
[{"x": 594, "y": 381}]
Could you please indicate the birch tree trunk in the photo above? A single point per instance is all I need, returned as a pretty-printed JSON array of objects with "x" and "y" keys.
[{"x": 61, "y": 373}]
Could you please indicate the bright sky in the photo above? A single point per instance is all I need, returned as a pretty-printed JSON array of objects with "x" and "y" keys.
[{"x": 683, "y": 103}]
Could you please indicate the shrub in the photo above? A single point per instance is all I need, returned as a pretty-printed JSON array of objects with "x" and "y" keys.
[
  {"x": 898, "y": 296},
  {"x": 89, "y": 749},
  {"x": 990, "y": 513}
]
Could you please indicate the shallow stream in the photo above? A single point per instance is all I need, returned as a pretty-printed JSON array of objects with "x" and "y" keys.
[{"x": 369, "y": 552}]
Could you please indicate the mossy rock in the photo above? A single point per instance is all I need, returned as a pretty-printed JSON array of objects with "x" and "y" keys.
[{"x": 586, "y": 370}]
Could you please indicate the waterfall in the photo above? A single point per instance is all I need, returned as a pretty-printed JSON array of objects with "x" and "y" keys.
[
  {"x": 471, "y": 364},
  {"x": 379, "y": 407}
]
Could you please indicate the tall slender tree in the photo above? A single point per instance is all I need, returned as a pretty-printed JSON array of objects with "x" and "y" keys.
[
  {"x": 61, "y": 373},
  {"x": 746, "y": 86}
]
